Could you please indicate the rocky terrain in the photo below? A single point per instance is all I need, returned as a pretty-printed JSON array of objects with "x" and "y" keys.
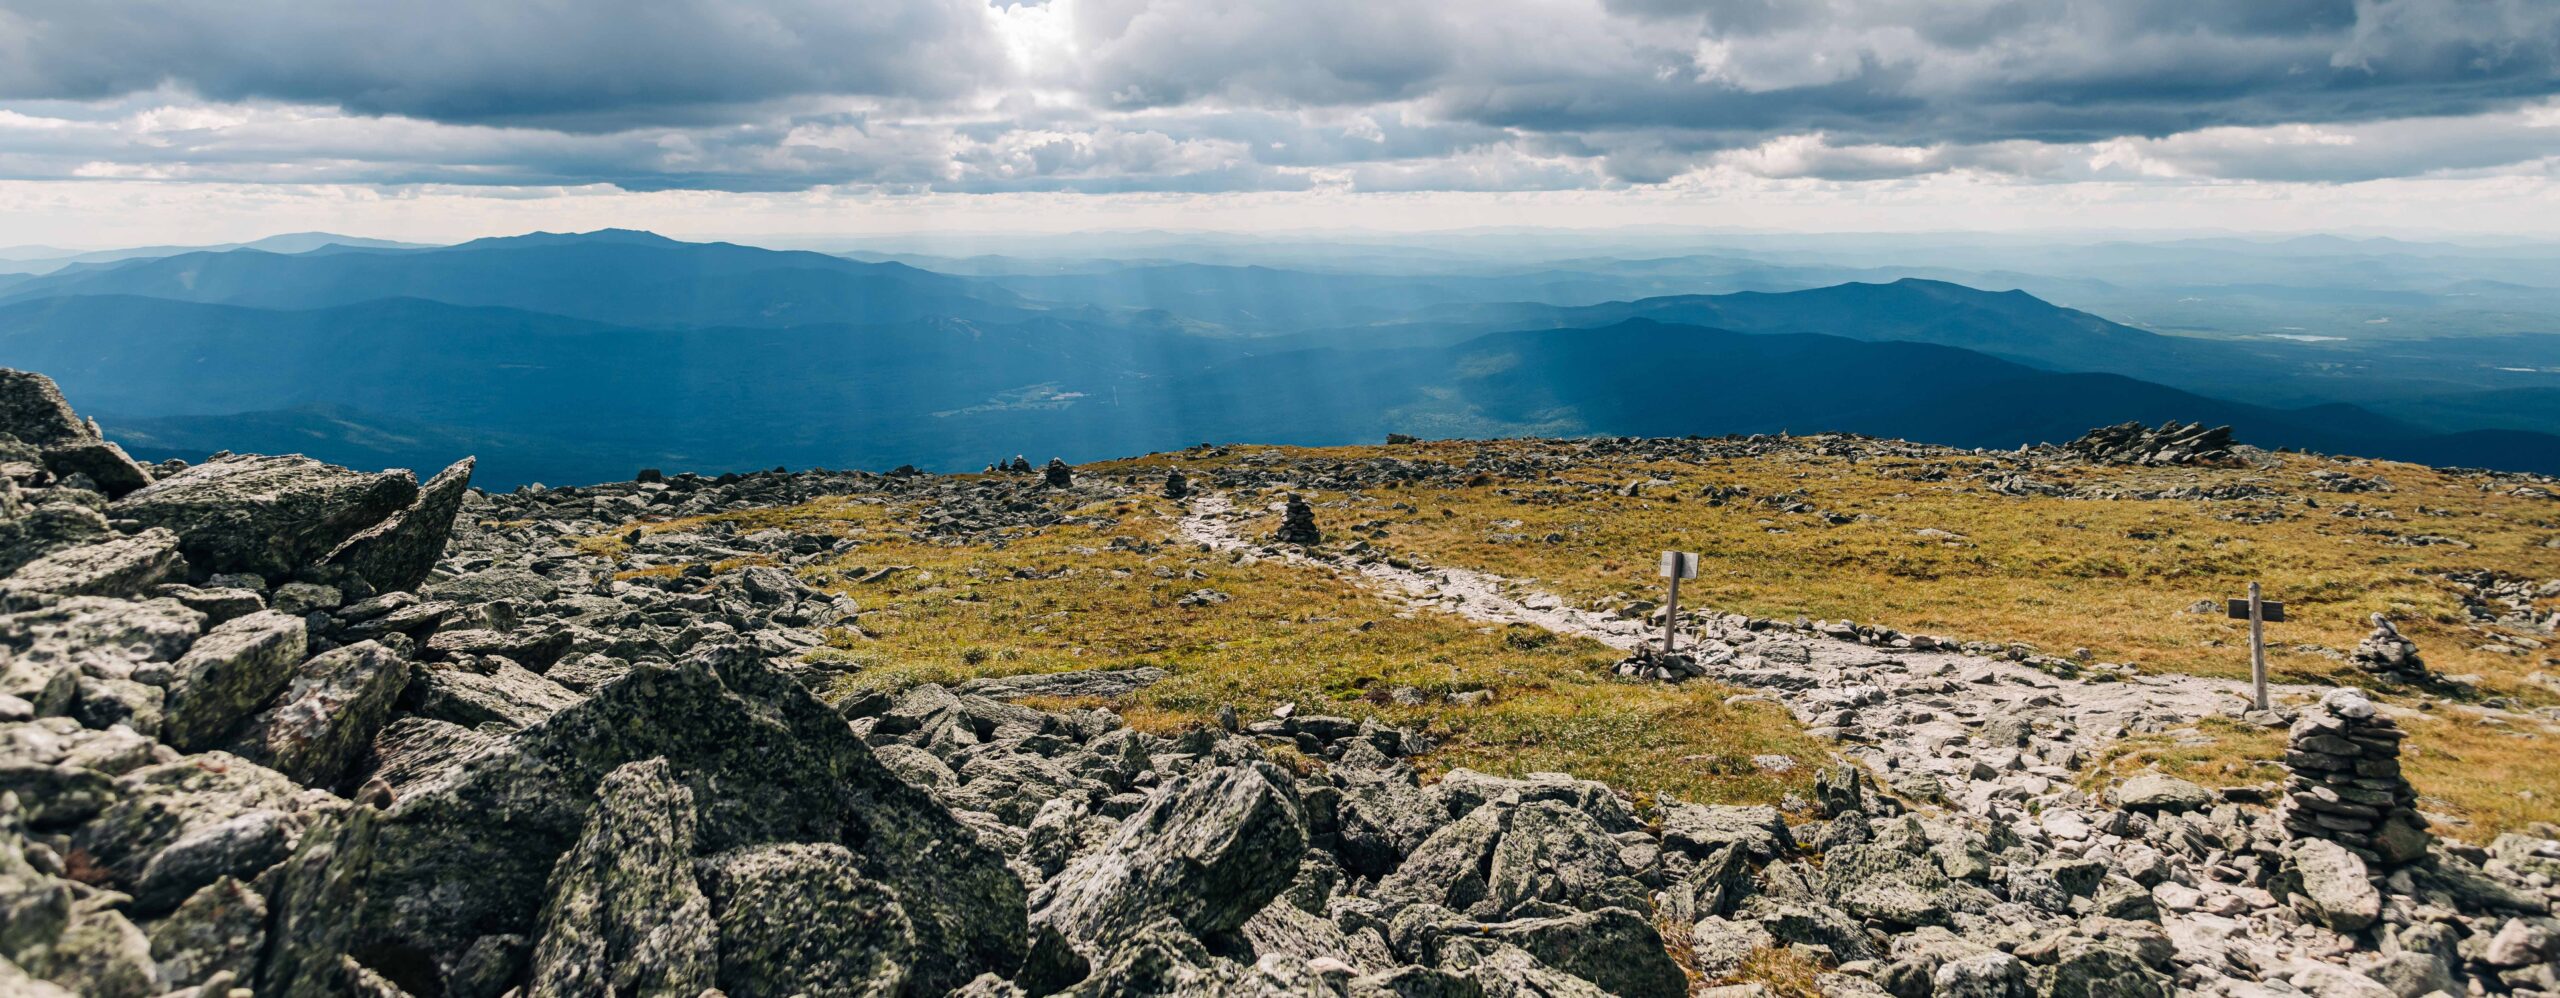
[{"x": 271, "y": 725}]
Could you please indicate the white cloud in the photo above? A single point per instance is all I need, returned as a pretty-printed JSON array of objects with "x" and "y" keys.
[{"x": 1112, "y": 97}]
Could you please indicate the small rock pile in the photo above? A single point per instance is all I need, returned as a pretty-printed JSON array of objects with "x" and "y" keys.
[
  {"x": 2346, "y": 785},
  {"x": 1176, "y": 486},
  {"x": 2388, "y": 655},
  {"x": 1058, "y": 475},
  {"x": 1298, "y": 523},
  {"x": 2173, "y": 443},
  {"x": 1651, "y": 662}
]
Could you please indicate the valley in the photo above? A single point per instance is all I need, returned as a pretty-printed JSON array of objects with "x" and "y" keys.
[{"x": 577, "y": 358}]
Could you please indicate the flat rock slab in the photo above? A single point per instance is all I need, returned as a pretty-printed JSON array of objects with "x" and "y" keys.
[
  {"x": 119, "y": 567},
  {"x": 1108, "y": 684},
  {"x": 2161, "y": 793}
]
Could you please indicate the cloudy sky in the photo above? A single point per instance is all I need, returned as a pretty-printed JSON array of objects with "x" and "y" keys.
[{"x": 143, "y": 120}]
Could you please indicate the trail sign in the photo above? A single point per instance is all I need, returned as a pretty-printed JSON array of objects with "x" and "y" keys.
[
  {"x": 2268, "y": 610},
  {"x": 2258, "y": 612},
  {"x": 1676, "y": 565}
]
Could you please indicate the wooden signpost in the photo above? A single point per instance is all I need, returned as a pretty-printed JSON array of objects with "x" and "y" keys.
[
  {"x": 1676, "y": 565},
  {"x": 2259, "y": 613}
]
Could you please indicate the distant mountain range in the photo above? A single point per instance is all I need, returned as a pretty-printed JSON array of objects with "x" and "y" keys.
[
  {"x": 568, "y": 358},
  {"x": 47, "y": 259}
]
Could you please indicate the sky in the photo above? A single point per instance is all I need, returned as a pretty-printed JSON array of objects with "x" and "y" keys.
[{"x": 169, "y": 121}]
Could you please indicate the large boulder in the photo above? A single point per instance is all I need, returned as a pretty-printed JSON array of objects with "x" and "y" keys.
[
  {"x": 1206, "y": 854},
  {"x": 765, "y": 763},
  {"x": 799, "y": 918},
  {"x": 1700, "y": 829},
  {"x": 319, "y": 729},
  {"x": 1380, "y": 821},
  {"x": 1501, "y": 858},
  {"x": 1615, "y": 948},
  {"x": 45, "y": 651},
  {"x": 32, "y": 410},
  {"x": 36, "y": 524},
  {"x": 625, "y": 916},
  {"x": 1886, "y": 884},
  {"x": 2160, "y": 793},
  {"x": 269, "y": 516},
  {"x": 231, "y": 672},
  {"x": 397, "y": 553},
  {"x": 178, "y": 826},
  {"x": 219, "y": 929},
  {"x": 2336, "y": 891}
]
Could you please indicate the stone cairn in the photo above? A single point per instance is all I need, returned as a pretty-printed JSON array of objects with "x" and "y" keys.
[
  {"x": 1019, "y": 465},
  {"x": 1175, "y": 485},
  {"x": 2346, "y": 785},
  {"x": 1058, "y": 474},
  {"x": 1298, "y": 523},
  {"x": 2388, "y": 655}
]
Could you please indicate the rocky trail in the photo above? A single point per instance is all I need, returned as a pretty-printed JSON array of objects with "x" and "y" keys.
[
  {"x": 274, "y": 727},
  {"x": 1992, "y": 741},
  {"x": 1915, "y": 730}
]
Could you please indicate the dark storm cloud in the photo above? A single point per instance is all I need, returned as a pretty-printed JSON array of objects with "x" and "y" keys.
[
  {"x": 579, "y": 64},
  {"x": 1214, "y": 95}
]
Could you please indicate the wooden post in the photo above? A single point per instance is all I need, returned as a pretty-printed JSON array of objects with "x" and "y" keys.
[
  {"x": 1671, "y": 616},
  {"x": 2257, "y": 649},
  {"x": 1676, "y": 565}
]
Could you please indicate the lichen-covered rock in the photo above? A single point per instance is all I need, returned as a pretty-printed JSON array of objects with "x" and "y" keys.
[
  {"x": 494, "y": 691},
  {"x": 221, "y": 928},
  {"x": 100, "y": 953},
  {"x": 314, "y": 898},
  {"x": 1891, "y": 885},
  {"x": 44, "y": 650},
  {"x": 38, "y": 524},
  {"x": 1464, "y": 790},
  {"x": 798, "y": 918},
  {"x": 180, "y": 825},
  {"x": 231, "y": 672},
  {"x": 268, "y": 516},
  {"x": 319, "y": 729},
  {"x": 122, "y": 566},
  {"x": 397, "y": 553},
  {"x": 1502, "y": 970},
  {"x": 1614, "y": 948},
  {"x": 33, "y": 410},
  {"x": 766, "y": 762},
  {"x": 625, "y": 916},
  {"x": 2335, "y": 889},
  {"x": 1501, "y": 857},
  {"x": 2093, "y": 969},
  {"x": 1206, "y": 853},
  {"x": 1934, "y": 961},
  {"x": 240, "y": 846},
  {"x": 2159, "y": 793},
  {"x": 1380, "y": 821},
  {"x": 1699, "y": 830}
]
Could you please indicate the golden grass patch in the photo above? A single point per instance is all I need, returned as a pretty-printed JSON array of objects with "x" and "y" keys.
[{"x": 1255, "y": 634}]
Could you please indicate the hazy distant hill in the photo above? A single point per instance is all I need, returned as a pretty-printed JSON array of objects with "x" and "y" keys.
[
  {"x": 46, "y": 259},
  {"x": 566, "y": 358},
  {"x": 633, "y": 278}
]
